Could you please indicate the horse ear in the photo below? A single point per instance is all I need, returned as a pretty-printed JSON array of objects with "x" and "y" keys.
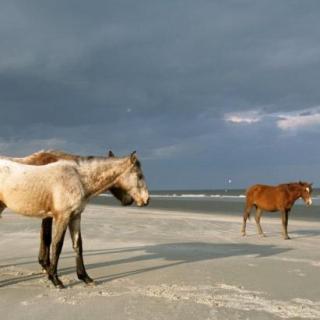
[
  {"x": 110, "y": 154},
  {"x": 133, "y": 157}
]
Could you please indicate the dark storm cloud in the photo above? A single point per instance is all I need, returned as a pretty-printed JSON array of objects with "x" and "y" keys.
[{"x": 160, "y": 77}]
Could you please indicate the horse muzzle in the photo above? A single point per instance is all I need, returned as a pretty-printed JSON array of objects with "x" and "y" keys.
[
  {"x": 143, "y": 203},
  {"x": 309, "y": 202}
]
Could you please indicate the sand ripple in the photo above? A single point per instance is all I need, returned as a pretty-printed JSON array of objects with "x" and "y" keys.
[{"x": 233, "y": 297}]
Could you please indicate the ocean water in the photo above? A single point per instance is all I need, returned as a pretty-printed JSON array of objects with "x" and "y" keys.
[{"x": 230, "y": 202}]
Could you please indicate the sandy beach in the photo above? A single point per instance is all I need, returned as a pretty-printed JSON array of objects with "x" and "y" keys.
[{"x": 153, "y": 264}]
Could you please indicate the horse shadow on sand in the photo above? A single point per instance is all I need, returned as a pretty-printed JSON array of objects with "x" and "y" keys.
[
  {"x": 305, "y": 233},
  {"x": 154, "y": 257}
]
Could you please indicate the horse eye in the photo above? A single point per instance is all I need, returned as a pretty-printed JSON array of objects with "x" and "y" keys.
[{"x": 140, "y": 176}]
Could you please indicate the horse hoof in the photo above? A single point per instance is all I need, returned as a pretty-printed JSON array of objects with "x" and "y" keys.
[
  {"x": 262, "y": 235},
  {"x": 243, "y": 234},
  {"x": 56, "y": 282},
  {"x": 87, "y": 280},
  {"x": 287, "y": 238},
  {"x": 91, "y": 284}
]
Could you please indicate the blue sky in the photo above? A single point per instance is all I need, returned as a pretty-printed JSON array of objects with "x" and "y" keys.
[{"x": 205, "y": 91}]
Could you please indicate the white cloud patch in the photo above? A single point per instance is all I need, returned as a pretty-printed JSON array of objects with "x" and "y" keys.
[
  {"x": 304, "y": 119},
  {"x": 308, "y": 119},
  {"x": 249, "y": 117}
]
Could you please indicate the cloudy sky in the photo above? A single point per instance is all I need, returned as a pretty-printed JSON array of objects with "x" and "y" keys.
[{"x": 204, "y": 90}]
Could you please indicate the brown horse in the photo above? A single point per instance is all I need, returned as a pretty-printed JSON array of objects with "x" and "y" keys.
[
  {"x": 61, "y": 191},
  {"x": 275, "y": 198},
  {"x": 50, "y": 156}
]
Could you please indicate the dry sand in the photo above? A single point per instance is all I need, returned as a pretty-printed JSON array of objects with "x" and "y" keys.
[{"x": 164, "y": 265}]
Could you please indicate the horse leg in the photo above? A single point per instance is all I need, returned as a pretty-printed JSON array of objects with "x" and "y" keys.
[
  {"x": 75, "y": 232},
  {"x": 284, "y": 219},
  {"x": 2, "y": 207},
  {"x": 246, "y": 215},
  {"x": 257, "y": 218},
  {"x": 45, "y": 242},
  {"x": 61, "y": 225}
]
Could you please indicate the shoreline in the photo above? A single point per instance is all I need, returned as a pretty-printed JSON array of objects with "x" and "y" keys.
[{"x": 213, "y": 207}]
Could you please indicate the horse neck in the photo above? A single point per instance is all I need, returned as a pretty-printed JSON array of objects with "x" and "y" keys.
[
  {"x": 98, "y": 175},
  {"x": 295, "y": 192}
]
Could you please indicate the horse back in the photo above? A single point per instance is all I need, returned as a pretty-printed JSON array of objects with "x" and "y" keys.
[
  {"x": 268, "y": 198},
  {"x": 40, "y": 159},
  {"x": 43, "y": 157}
]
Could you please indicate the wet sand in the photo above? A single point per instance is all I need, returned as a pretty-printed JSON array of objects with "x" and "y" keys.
[{"x": 153, "y": 264}]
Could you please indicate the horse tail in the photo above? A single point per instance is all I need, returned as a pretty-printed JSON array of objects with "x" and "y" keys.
[
  {"x": 249, "y": 201},
  {"x": 247, "y": 211}
]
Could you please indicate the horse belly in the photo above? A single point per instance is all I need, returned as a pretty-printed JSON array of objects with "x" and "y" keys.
[
  {"x": 264, "y": 202},
  {"x": 269, "y": 208},
  {"x": 69, "y": 199},
  {"x": 28, "y": 202},
  {"x": 266, "y": 205}
]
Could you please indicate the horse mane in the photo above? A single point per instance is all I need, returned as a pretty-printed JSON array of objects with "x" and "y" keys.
[
  {"x": 296, "y": 185},
  {"x": 301, "y": 183},
  {"x": 66, "y": 156},
  {"x": 45, "y": 157}
]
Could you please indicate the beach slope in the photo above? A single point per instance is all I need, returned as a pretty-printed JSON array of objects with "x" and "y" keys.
[{"x": 153, "y": 264}]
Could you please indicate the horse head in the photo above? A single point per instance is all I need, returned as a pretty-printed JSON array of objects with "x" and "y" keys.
[
  {"x": 118, "y": 192},
  {"x": 306, "y": 191},
  {"x": 132, "y": 181}
]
